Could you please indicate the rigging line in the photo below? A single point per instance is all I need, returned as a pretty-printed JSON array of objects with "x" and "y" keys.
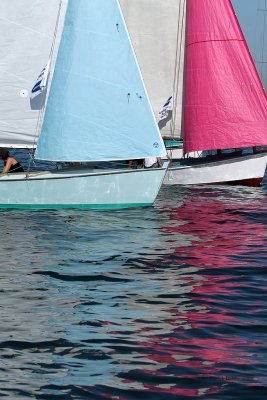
[
  {"x": 182, "y": 62},
  {"x": 172, "y": 123},
  {"x": 177, "y": 66},
  {"x": 56, "y": 30},
  {"x": 41, "y": 112}
]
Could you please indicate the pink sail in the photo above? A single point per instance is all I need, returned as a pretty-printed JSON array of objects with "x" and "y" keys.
[{"x": 225, "y": 105}]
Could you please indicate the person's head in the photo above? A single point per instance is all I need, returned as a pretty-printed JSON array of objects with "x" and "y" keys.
[{"x": 4, "y": 154}]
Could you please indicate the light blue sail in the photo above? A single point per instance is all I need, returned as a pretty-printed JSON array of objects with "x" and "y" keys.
[{"x": 98, "y": 108}]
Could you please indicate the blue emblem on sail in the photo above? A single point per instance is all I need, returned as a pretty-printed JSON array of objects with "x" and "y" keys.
[
  {"x": 41, "y": 81},
  {"x": 166, "y": 107}
]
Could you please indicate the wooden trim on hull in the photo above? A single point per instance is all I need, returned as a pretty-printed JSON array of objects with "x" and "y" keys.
[{"x": 252, "y": 182}]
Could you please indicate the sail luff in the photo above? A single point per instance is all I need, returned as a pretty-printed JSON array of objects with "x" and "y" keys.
[{"x": 225, "y": 104}]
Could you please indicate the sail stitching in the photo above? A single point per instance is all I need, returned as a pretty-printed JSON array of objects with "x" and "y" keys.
[{"x": 215, "y": 40}]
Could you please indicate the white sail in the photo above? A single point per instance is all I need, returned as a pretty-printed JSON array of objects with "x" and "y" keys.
[
  {"x": 157, "y": 31},
  {"x": 26, "y": 35}
]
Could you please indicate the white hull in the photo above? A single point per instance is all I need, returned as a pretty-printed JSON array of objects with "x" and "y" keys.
[
  {"x": 82, "y": 188},
  {"x": 240, "y": 169},
  {"x": 177, "y": 152}
]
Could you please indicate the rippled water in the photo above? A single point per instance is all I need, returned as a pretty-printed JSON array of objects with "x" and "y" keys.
[{"x": 157, "y": 303}]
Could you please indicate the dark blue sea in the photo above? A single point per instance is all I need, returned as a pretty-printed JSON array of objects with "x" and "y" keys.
[{"x": 160, "y": 303}]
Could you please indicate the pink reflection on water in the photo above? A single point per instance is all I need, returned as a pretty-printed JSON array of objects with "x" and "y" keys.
[
  {"x": 221, "y": 236},
  {"x": 220, "y": 230},
  {"x": 199, "y": 348}
]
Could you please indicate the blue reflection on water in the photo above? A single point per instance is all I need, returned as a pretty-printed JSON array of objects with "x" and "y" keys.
[{"x": 156, "y": 303}]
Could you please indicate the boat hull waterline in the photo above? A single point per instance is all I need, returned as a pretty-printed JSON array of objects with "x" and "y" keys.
[
  {"x": 247, "y": 170},
  {"x": 81, "y": 188}
]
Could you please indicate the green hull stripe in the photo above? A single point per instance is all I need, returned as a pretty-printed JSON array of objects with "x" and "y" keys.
[
  {"x": 80, "y": 206},
  {"x": 173, "y": 143}
]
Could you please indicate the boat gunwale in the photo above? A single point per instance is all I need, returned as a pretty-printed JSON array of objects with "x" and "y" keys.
[
  {"x": 46, "y": 174},
  {"x": 204, "y": 162}
]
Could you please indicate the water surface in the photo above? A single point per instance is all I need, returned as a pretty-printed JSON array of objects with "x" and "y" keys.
[{"x": 156, "y": 303}]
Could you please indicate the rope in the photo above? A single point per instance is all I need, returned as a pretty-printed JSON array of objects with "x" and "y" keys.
[
  {"x": 41, "y": 111},
  {"x": 177, "y": 65}
]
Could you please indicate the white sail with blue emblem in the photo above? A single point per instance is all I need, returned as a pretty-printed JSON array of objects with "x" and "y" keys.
[
  {"x": 41, "y": 82},
  {"x": 27, "y": 29}
]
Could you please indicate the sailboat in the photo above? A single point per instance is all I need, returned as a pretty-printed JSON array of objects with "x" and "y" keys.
[
  {"x": 223, "y": 104},
  {"x": 97, "y": 114}
]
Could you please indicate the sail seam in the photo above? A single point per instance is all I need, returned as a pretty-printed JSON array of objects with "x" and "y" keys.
[{"x": 215, "y": 40}]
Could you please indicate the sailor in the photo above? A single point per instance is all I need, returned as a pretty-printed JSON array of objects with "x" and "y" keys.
[
  {"x": 10, "y": 163},
  {"x": 153, "y": 162}
]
